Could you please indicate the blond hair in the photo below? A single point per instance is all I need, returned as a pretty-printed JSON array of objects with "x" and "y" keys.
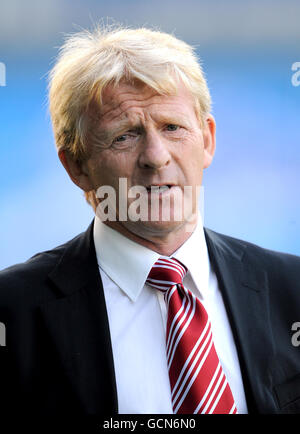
[{"x": 89, "y": 61}]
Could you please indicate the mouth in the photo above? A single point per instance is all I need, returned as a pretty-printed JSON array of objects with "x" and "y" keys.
[{"x": 159, "y": 188}]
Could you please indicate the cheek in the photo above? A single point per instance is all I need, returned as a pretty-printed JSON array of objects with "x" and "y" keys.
[
  {"x": 111, "y": 166},
  {"x": 193, "y": 158},
  {"x": 198, "y": 150},
  {"x": 121, "y": 165},
  {"x": 99, "y": 171}
]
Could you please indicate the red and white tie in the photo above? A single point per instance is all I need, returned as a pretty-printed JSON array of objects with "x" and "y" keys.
[{"x": 198, "y": 383}]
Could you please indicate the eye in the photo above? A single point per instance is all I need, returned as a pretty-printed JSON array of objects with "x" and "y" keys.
[
  {"x": 121, "y": 138},
  {"x": 125, "y": 139},
  {"x": 172, "y": 127}
]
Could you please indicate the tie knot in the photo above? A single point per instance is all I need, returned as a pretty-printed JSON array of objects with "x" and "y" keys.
[{"x": 165, "y": 273}]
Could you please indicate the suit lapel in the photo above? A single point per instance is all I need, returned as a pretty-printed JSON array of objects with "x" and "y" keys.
[
  {"x": 245, "y": 294},
  {"x": 78, "y": 325}
]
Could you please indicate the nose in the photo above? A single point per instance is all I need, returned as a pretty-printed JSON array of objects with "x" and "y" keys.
[{"x": 154, "y": 153}]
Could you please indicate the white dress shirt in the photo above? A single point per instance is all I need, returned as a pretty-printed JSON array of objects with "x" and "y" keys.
[{"x": 137, "y": 319}]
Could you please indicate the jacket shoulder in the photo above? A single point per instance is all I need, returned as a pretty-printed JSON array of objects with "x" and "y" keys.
[
  {"x": 24, "y": 278},
  {"x": 277, "y": 263}
]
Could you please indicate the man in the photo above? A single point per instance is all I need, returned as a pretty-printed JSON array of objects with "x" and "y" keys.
[{"x": 88, "y": 323}]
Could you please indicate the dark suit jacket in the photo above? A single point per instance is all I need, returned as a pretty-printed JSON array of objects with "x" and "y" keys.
[{"x": 58, "y": 356}]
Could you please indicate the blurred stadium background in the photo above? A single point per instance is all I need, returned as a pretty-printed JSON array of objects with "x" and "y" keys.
[{"x": 247, "y": 50}]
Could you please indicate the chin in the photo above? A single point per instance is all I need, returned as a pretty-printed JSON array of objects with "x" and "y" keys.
[{"x": 154, "y": 228}]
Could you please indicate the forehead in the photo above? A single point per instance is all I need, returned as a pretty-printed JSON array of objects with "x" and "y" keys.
[{"x": 121, "y": 100}]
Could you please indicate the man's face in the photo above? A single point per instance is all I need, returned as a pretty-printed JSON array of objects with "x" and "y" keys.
[{"x": 150, "y": 140}]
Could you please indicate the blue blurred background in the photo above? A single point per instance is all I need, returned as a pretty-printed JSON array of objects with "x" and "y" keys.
[{"x": 247, "y": 50}]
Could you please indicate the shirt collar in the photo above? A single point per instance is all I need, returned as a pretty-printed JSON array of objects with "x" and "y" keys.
[
  {"x": 194, "y": 255},
  {"x": 128, "y": 263}
]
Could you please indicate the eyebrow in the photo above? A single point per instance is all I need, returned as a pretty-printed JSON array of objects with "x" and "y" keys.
[
  {"x": 107, "y": 134},
  {"x": 104, "y": 136}
]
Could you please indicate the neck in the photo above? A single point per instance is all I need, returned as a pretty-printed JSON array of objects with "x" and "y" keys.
[{"x": 163, "y": 242}]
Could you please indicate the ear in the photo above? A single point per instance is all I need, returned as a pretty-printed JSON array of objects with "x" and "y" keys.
[
  {"x": 76, "y": 170},
  {"x": 209, "y": 139}
]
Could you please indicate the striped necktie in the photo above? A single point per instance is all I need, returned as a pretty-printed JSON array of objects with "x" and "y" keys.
[{"x": 198, "y": 383}]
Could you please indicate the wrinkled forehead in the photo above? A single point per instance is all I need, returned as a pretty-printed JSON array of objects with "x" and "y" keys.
[
  {"x": 116, "y": 99},
  {"x": 122, "y": 97}
]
